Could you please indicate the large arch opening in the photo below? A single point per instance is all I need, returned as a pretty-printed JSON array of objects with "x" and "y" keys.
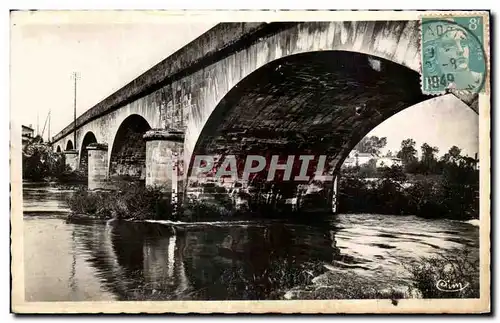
[
  {"x": 128, "y": 154},
  {"x": 316, "y": 103},
  {"x": 69, "y": 145},
  {"x": 88, "y": 139}
]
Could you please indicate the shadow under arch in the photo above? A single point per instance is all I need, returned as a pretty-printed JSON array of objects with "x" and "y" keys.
[
  {"x": 315, "y": 103},
  {"x": 128, "y": 153},
  {"x": 88, "y": 139},
  {"x": 69, "y": 145}
]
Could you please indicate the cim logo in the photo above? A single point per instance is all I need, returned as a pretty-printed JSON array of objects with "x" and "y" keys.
[
  {"x": 449, "y": 286},
  {"x": 276, "y": 168}
]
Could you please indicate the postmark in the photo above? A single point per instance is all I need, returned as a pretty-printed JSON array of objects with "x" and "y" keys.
[{"x": 453, "y": 56}]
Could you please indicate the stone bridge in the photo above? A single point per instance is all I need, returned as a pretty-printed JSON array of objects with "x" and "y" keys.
[{"x": 251, "y": 88}]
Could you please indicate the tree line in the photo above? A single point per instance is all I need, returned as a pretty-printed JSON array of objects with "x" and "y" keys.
[
  {"x": 427, "y": 186},
  {"x": 428, "y": 164}
]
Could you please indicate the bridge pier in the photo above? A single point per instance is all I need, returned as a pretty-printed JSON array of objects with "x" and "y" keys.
[
  {"x": 71, "y": 158},
  {"x": 163, "y": 155},
  {"x": 97, "y": 166}
]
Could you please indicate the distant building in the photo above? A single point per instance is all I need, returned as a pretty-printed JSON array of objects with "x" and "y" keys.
[
  {"x": 389, "y": 161},
  {"x": 356, "y": 158},
  {"x": 349, "y": 162},
  {"x": 27, "y": 135},
  {"x": 364, "y": 158}
]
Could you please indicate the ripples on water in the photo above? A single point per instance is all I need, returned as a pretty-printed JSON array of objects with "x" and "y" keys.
[{"x": 123, "y": 260}]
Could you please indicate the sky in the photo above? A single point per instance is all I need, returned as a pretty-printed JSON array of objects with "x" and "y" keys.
[
  {"x": 441, "y": 122},
  {"x": 109, "y": 53},
  {"x": 107, "y": 56}
]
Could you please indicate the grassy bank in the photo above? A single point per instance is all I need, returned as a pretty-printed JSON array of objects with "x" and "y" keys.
[
  {"x": 134, "y": 201},
  {"x": 439, "y": 276},
  {"x": 443, "y": 275}
]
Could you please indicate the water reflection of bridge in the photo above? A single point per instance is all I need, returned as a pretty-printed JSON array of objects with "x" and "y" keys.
[{"x": 146, "y": 261}]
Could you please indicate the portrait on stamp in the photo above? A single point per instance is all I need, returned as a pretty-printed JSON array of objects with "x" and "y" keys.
[{"x": 453, "y": 54}]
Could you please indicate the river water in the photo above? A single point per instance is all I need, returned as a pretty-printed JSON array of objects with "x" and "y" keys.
[{"x": 124, "y": 260}]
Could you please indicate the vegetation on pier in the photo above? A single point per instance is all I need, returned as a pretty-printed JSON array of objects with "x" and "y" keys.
[{"x": 129, "y": 201}]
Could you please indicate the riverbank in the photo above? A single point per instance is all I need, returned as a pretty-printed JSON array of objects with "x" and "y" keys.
[
  {"x": 450, "y": 275},
  {"x": 451, "y": 195}
]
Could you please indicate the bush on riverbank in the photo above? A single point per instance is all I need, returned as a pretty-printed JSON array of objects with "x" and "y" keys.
[
  {"x": 444, "y": 276},
  {"x": 130, "y": 201},
  {"x": 451, "y": 275},
  {"x": 41, "y": 163},
  {"x": 454, "y": 194}
]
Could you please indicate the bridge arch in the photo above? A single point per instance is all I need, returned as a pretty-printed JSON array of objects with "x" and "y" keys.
[
  {"x": 393, "y": 41},
  {"x": 69, "y": 145},
  {"x": 58, "y": 149},
  {"x": 88, "y": 139},
  {"x": 128, "y": 151},
  {"x": 315, "y": 103}
]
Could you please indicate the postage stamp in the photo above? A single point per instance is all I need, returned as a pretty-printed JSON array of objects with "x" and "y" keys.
[
  {"x": 250, "y": 162},
  {"x": 453, "y": 54}
]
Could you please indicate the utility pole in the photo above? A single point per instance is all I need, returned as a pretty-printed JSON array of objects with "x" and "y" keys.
[
  {"x": 37, "y": 130},
  {"x": 45, "y": 124},
  {"x": 48, "y": 138},
  {"x": 75, "y": 76}
]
